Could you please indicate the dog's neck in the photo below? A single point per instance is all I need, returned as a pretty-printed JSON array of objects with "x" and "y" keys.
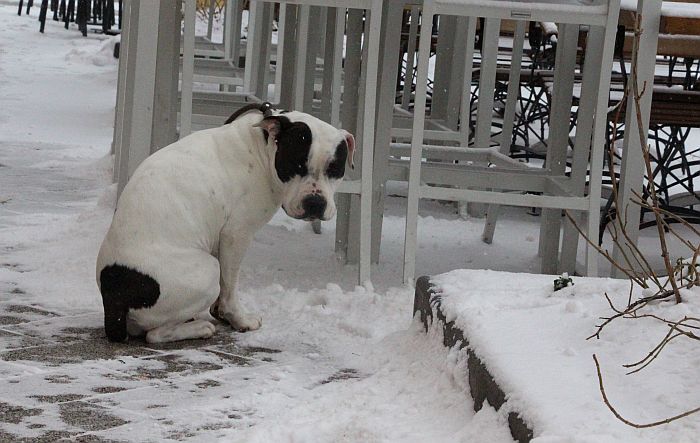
[
  {"x": 267, "y": 155},
  {"x": 264, "y": 149}
]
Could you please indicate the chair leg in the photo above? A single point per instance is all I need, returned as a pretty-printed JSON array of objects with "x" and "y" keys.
[
  {"x": 582, "y": 148},
  {"x": 487, "y": 84},
  {"x": 598, "y": 148},
  {"x": 490, "y": 226},
  {"x": 371, "y": 75},
  {"x": 388, "y": 72},
  {"x": 558, "y": 140},
  {"x": 414, "y": 182},
  {"x": 347, "y": 219},
  {"x": 508, "y": 120},
  {"x": 187, "y": 68}
]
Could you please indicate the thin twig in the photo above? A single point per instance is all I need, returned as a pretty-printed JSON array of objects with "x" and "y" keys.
[
  {"x": 628, "y": 422},
  {"x": 647, "y": 160},
  {"x": 604, "y": 252},
  {"x": 646, "y": 361}
]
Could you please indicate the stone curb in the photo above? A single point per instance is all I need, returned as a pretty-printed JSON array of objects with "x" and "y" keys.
[{"x": 481, "y": 383}]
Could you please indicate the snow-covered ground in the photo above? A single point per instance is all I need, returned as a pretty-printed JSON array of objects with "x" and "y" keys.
[
  {"x": 352, "y": 365},
  {"x": 533, "y": 342}
]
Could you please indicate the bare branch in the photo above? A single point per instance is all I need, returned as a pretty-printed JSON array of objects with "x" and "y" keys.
[{"x": 628, "y": 422}]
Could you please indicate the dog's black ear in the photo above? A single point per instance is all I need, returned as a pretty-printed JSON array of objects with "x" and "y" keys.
[{"x": 271, "y": 125}]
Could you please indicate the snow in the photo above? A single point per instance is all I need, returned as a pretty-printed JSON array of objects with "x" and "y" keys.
[
  {"x": 669, "y": 9},
  {"x": 352, "y": 365},
  {"x": 533, "y": 341}
]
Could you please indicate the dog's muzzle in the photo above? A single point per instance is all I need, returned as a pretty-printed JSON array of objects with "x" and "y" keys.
[{"x": 314, "y": 207}]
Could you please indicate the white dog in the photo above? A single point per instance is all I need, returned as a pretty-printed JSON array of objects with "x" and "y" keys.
[{"x": 188, "y": 214}]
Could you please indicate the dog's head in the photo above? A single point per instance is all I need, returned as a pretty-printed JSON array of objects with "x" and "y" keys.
[{"x": 310, "y": 161}]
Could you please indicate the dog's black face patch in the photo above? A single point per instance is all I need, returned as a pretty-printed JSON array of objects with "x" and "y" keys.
[
  {"x": 123, "y": 289},
  {"x": 336, "y": 168},
  {"x": 293, "y": 146}
]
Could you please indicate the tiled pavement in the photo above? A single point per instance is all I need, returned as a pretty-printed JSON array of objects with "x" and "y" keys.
[{"x": 61, "y": 380}]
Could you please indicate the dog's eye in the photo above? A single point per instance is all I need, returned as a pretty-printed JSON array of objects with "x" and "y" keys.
[{"x": 336, "y": 168}]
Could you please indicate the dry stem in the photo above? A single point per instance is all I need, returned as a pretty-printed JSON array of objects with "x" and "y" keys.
[{"x": 623, "y": 419}]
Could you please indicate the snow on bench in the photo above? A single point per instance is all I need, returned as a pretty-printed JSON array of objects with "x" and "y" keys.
[{"x": 669, "y": 9}]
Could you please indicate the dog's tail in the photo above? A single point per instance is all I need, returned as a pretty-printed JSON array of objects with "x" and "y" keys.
[{"x": 123, "y": 289}]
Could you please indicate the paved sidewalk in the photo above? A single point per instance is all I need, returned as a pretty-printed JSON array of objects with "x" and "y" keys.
[{"x": 62, "y": 380}]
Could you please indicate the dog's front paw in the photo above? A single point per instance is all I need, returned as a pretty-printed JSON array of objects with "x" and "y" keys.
[{"x": 244, "y": 322}]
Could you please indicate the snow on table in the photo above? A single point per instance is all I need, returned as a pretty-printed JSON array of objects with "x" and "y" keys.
[
  {"x": 668, "y": 9},
  {"x": 533, "y": 342}
]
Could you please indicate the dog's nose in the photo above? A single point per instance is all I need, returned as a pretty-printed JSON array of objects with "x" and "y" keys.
[{"x": 314, "y": 206}]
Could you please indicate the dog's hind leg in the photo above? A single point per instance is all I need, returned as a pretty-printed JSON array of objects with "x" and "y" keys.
[
  {"x": 189, "y": 285},
  {"x": 181, "y": 331}
]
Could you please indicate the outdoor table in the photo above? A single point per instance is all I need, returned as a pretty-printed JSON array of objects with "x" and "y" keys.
[
  {"x": 679, "y": 27},
  {"x": 384, "y": 167}
]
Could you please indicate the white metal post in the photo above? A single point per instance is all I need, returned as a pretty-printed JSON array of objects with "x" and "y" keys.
[
  {"x": 410, "y": 57},
  {"x": 508, "y": 118},
  {"x": 632, "y": 168},
  {"x": 583, "y": 144},
  {"x": 337, "y": 66},
  {"x": 187, "y": 68},
  {"x": 371, "y": 76},
  {"x": 122, "y": 82},
  {"x": 558, "y": 140},
  {"x": 466, "y": 88},
  {"x": 300, "y": 70},
  {"x": 279, "y": 60},
  {"x": 599, "y": 130},
  {"x": 140, "y": 111},
  {"x": 414, "y": 182}
]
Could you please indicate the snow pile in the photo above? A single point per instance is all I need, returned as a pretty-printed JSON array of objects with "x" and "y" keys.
[
  {"x": 103, "y": 57},
  {"x": 533, "y": 341}
]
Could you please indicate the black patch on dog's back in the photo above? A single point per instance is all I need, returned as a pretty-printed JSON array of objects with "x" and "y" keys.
[
  {"x": 336, "y": 168},
  {"x": 293, "y": 147},
  {"x": 123, "y": 289}
]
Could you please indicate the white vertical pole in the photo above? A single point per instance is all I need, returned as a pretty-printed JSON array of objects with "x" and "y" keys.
[
  {"x": 414, "y": 183},
  {"x": 487, "y": 83},
  {"x": 410, "y": 58},
  {"x": 120, "y": 111},
  {"x": 513, "y": 87},
  {"x": 301, "y": 55},
  {"x": 583, "y": 145},
  {"x": 632, "y": 169},
  {"x": 229, "y": 11},
  {"x": 368, "y": 125},
  {"x": 465, "y": 109},
  {"x": 558, "y": 140},
  {"x": 279, "y": 61},
  {"x": 337, "y": 85},
  {"x": 139, "y": 143},
  {"x": 187, "y": 69},
  {"x": 508, "y": 118},
  {"x": 600, "y": 126},
  {"x": 250, "y": 75}
]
